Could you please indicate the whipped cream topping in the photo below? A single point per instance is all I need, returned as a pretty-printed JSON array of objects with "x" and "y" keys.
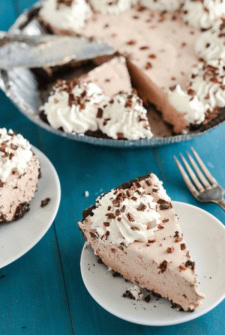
[
  {"x": 210, "y": 45},
  {"x": 125, "y": 216},
  {"x": 125, "y": 117},
  {"x": 208, "y": 83},
  {"x": 162, "y": 5},
  {"x": 188, "y": 104},
  {"x": 66, "y": 14},
  {"x": 111, "y": 6},
  {"x": 15, "y": 153},
  {"x": 73, "y": 106},
  {"x": 203, "y": 13}
]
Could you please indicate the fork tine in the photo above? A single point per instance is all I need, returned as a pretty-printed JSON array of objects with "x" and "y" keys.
[
  {"x": 198, "y": 172},
  {"x": 192, "y": 174},
  {"x": 187, "y": 180},
  {"x": 204, "y": 168}
]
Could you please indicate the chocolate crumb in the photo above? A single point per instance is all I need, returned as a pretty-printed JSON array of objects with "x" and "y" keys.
[
  {"x": 45, "y": 202},
  {"x": 116, "y": 274},
  {"x": 147, "y": 298},
  {"x": 100, "y": 261},
  {"x": 128, "y": 295},
  {"x": 156, "y": 295}
]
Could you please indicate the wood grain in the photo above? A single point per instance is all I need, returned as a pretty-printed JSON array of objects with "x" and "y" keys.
[{"x": 43, "y": 291}]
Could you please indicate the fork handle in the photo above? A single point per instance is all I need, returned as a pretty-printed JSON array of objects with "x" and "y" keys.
[{"x": 221, "y": 203}]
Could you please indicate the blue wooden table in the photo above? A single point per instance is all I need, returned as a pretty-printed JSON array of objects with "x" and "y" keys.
[{"x": 42, "y": 293}]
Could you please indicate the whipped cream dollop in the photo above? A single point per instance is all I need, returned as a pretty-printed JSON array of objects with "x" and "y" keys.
[
  {"x": 15, "y": 153},
  {"x": 125, "y": 216},
  {"x": 208, "y": 83},
  {"x": 162, "y": 5},
  {"x": 210, "y": 45},
  {"x": 125, "y": 117},
  {"x": 67, "y": 15},
  {"x": 203, "y": 13},
  {"x": 74, "y": 106},
  {"x": 111, "y": 6},
  {"x": 188, "y": 104}
]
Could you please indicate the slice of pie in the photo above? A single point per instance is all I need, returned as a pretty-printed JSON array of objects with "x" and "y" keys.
[
  {"x": 101, "y": 103},
  {"x": 135, "y": 231},
  {"x": 19, "y": 174}
]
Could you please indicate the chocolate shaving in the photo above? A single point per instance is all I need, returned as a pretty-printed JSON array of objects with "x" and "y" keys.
[
  {"x": 163, "y": 266},
  {"x": 190, "y": 264},
  {"x": 110, "y": 216},
  {"x": 99, "y": 113},
  {"x": 163, "y": 204},
  {"x": 130, "y": 217},
  {"x": 141, "y": 207},
  {"x": 170, "y": 250}
]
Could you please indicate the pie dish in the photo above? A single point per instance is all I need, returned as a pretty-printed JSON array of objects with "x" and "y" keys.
[
  {"x": 135, "y": 231},
  {"x": 29, "y": 90},
  {"x": 173, "y": 63}
]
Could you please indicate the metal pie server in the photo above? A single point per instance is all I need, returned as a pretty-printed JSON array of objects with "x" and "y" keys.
[{"x": 20, "y": 50}]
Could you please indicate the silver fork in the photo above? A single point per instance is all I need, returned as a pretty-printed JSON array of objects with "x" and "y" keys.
[{"x": 204, "y": 186}]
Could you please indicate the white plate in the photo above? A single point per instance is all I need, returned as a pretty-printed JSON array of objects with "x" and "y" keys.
[
  {"x": 17, "y": 238},
  {"x": 205, "y": 237}
]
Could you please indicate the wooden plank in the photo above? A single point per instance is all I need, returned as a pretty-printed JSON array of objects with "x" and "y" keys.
[
  {"x": 7, "y": 14},
  {"x": 21, "y": 5},
  {"x": 83, "y": 167}
]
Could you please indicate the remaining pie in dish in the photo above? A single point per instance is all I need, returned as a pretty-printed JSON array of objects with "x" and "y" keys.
[
  {"x": 174, "y": 50},
  {"x": 135, "y": 231},
  {"x": 19, "y": 174}
]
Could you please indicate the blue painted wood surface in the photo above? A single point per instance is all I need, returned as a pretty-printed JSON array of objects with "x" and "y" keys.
[{"x": 42, "y": 293}]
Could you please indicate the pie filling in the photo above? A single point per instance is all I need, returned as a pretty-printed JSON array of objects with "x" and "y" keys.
[{"x": 174, "y": 63}]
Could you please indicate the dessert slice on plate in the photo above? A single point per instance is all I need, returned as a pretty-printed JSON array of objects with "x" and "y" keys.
[
  {"x": 135, "y": 231},
  {"x": 19, "y": 174}
]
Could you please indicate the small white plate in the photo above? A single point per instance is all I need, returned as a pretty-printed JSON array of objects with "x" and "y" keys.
[
  {"x": 205, "y": 237},
  {"x": 18, "y": 237}
]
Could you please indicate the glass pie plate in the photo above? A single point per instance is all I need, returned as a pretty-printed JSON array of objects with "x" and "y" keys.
[{"x": 23, "y": 89}]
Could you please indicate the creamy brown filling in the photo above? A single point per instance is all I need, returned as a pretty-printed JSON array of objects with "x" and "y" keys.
[{"x": 17, "y": 191}]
